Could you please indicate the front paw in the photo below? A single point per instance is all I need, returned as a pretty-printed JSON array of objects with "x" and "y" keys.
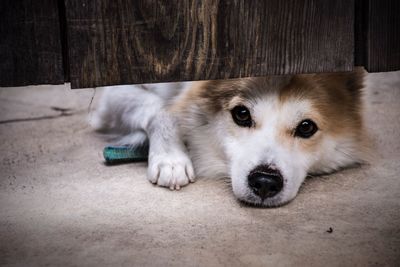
[{"x": 172, "y": 170}]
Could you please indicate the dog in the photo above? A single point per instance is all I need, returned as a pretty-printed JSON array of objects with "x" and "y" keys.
[{"x": 266, "y": 134}]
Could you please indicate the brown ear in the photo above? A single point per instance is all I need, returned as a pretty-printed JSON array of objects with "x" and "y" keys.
[{"x": 352, "y": 81}]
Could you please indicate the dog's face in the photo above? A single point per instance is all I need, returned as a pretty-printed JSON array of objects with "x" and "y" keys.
[{"x": 274, "y": 131}]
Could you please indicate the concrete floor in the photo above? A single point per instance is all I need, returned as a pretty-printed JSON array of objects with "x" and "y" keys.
[{"x": 61, "y": 206}]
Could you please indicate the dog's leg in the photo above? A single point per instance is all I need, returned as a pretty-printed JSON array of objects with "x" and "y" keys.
[
  {"x": 139, "y": 111},
  {"x": 169, "y": 164}
]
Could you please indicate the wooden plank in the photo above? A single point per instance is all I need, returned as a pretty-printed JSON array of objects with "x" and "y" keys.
[
  {"x": 30, "y": 47},
  {"x": 126, "y": 41},
  {"x": 361, "y": 32},
  {"x": 383, "y": 35}
]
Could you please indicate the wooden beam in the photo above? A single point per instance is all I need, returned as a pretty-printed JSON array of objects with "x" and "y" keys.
[
  {"x": 383, "y": 36},
  {"x": 30, "y": 46},
  {"x": 125, "y": 41}
]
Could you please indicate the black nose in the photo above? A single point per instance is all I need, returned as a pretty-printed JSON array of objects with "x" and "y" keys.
[{"x": 265, "y": 182}]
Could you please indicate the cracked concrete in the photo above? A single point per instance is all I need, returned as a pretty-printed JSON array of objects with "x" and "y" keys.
[{"x": 61, "y": 206}]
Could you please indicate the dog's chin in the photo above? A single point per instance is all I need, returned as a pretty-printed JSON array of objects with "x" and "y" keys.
[
  {"x": 246, "y": 196},
  {"x": 255, "y": 201}
]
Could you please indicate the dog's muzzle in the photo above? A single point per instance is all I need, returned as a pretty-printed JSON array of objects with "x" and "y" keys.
[{"x": 265, "y": 182}]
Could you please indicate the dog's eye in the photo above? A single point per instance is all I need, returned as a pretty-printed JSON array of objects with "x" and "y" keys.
[
  {"x": 241, "y": 116},
  {"x": 306, "y": 129}
]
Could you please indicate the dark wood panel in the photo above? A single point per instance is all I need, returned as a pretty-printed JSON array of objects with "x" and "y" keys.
[
  {"x": 383, "y": 44},
  {"x": 30, "y": 47},
  {"x": 126, "y": 41},
  {"x": 361, "y": 32}
]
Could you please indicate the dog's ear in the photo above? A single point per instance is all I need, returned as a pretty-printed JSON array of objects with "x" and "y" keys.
[{"x": 352, "y": 81}]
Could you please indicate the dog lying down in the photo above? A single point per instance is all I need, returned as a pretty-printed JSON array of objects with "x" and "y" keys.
[{"x": 266, "y": 134}]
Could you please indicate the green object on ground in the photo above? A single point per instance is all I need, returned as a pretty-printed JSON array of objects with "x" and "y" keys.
[{"x": 120, "y": 154}]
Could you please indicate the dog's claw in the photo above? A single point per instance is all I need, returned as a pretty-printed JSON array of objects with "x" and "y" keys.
[{"x": 190, "y": 173}]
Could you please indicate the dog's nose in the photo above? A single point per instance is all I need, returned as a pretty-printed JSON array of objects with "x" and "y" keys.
[{"x": 265, "y": 182}]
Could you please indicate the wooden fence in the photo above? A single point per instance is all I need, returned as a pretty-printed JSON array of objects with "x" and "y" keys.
[{"x": 105, "y": 42}]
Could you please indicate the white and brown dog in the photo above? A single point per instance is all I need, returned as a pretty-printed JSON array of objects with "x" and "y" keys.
[{"x": 266, "y": 134}]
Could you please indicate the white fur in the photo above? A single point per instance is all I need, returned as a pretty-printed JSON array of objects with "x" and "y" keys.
[
  {"x": 218, "y": 148},
  {"x": 139, "y": 113}
]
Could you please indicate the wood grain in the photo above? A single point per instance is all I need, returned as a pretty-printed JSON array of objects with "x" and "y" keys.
[
  {"x": 361, "y": 32},
  {"x": 125, "y": 41},
  {"x": 383, "y": 36},
  {"x": 30, "y": 47}
]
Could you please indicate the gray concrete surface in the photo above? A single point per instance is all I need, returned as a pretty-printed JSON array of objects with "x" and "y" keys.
[{"x": 61, "y": 206}]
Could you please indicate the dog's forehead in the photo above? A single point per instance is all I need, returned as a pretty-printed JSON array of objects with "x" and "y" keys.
[
  {"x": 254, "y": 90},
  {"x": 270, "y": 93},
  {"x": 272, "y": 110},
  {"x": 260, "y": 86},
  {"x": 220, "y": 94}
]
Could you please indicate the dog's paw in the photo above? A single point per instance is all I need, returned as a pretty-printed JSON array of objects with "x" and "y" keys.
[{"x": 172, "y": 170}]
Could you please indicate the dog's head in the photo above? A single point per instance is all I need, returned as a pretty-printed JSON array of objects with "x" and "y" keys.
[{"x": 273, "y": 131}]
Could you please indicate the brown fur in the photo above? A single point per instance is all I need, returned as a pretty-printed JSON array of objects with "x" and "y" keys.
[
  {"x": 336, "y": 95},
  {"x": 216, "y": 95},
  {"x": 336, "y": 98}
]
